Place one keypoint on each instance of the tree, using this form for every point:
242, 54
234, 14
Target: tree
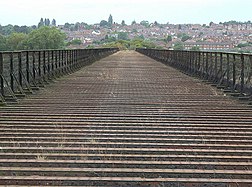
16, 41
211, 23
7, 30
22, 29
110, 20
123, 23
41, 23
133, 22
54, 22
123, 36
178, 46
67, 25
139, 37
145, 23
33, 27
47, 22
103, 23
1, 28
75, 42
185, 37
168, 39
46, 38
3, 46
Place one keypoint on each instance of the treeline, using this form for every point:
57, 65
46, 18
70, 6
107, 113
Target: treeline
131, 44
232, 22
42, 38
9, 29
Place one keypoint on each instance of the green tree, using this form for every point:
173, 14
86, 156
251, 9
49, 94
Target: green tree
77, 26
7, 30
123, 36
54, 22
46, 38
139, 37
47, 22
185, 37
133, 22
168, 39
75, 42
123, 23
41, 23
22, 29
211, 23
134, 31
103, 23
67, 25
178, 46
3, 46
110, 20
145, 23
16, 41
33, 27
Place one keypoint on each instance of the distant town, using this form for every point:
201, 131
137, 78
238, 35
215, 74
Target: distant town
223, 36
227, 36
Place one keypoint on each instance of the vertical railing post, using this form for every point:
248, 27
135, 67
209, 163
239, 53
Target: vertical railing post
33, 65
221, 65
234, 73
44, 64
207, 68
198, 65
203, 65
216, 66
48, 65
39, 64
11, 72
210, 66
1, 74
52, 58
56, 62
70, 60
228, 70
242, 73
27, 67
74, 59
189, 54
66, 61
60, 62
20, 68
63, 61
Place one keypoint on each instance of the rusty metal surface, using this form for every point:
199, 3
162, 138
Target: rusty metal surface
126, 120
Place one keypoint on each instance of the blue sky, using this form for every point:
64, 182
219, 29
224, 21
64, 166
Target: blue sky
29, 12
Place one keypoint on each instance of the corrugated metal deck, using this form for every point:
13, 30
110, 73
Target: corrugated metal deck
126, 120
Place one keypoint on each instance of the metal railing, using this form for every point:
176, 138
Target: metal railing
230, 71
22, 72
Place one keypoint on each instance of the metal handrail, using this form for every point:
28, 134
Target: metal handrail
36, 67
232, 71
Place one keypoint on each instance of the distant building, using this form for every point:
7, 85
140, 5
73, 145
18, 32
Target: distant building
208, 45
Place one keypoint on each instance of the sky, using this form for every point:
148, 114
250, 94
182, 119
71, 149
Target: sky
29, 12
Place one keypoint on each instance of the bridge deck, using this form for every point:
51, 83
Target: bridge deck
126, 120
